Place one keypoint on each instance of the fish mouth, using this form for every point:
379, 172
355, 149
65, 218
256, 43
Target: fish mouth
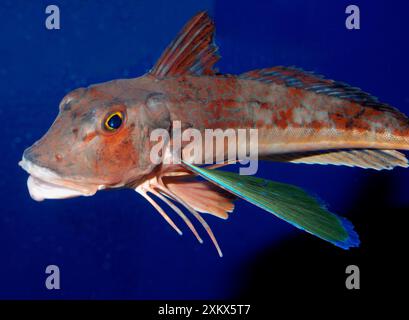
44, 183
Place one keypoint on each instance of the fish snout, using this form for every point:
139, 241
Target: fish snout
30, 155
43, 158
45, 182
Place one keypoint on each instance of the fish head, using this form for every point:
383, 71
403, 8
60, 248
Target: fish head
98, 141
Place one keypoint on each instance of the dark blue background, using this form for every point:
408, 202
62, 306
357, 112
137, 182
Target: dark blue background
114, 245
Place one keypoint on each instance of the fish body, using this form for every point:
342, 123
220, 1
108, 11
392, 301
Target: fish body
288, 119
101, 138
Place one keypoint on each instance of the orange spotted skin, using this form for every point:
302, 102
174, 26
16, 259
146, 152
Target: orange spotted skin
293, 110
79, 149
288, 118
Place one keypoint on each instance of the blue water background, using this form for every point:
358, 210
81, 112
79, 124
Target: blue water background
114, 245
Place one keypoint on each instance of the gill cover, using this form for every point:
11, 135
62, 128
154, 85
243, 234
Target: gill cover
156, 111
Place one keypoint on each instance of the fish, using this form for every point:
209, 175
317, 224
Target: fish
101, 138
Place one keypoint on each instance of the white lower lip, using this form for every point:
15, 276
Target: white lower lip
40, 190
40, 183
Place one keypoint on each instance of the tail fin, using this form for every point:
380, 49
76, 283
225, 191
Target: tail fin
287, 202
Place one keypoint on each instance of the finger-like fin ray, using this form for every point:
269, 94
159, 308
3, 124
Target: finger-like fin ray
158, 208
180, 213
199, 218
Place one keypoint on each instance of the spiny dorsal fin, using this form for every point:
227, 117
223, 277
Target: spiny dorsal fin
298, 78
193, 51
364, 158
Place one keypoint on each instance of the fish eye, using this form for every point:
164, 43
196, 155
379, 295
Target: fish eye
114, 121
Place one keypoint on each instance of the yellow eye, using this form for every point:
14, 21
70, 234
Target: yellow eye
114, 121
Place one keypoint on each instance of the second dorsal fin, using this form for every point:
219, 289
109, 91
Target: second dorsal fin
193, 51
298, 78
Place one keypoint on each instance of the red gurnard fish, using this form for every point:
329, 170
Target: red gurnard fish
100, 138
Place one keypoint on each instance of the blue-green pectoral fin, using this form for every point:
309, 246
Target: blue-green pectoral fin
287, 202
